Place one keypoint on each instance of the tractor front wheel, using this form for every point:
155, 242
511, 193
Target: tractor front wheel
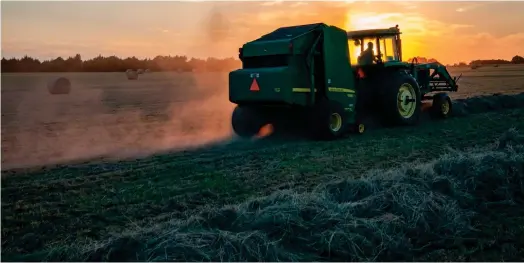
359, 128
246, 121
441, 107
402, 102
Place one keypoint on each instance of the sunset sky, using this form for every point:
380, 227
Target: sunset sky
448, 31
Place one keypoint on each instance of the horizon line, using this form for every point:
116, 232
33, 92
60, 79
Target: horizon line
219, 58
106, 56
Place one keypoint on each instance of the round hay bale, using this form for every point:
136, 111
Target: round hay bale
59, 86
131, 74
140, 71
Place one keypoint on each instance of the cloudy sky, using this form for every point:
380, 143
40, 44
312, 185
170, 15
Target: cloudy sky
448, 31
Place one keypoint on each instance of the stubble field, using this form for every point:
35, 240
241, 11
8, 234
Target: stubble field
361, 198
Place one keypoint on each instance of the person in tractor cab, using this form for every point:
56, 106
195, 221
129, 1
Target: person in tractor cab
367, 57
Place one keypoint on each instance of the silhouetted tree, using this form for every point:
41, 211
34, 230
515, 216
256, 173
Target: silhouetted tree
115, 64
489, 62
517, 60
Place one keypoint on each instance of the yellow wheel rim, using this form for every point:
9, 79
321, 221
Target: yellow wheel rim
335, 122
445, 107
406, 101
361, 128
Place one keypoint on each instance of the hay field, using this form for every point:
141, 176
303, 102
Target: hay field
107, 115
387, 195
488, 79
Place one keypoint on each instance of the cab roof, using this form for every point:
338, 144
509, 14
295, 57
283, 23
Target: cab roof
374, 32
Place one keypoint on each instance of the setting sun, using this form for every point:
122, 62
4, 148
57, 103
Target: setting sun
408, 26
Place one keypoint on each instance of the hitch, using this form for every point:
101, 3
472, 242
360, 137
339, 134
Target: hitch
456, 79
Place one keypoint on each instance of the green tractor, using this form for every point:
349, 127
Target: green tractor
309, 76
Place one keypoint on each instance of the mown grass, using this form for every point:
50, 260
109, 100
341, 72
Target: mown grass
441, 210
462, 206
51, 209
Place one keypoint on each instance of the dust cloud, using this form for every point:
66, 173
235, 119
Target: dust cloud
108, 116
217, 26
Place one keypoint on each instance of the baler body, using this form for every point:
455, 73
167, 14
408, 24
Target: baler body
295, 66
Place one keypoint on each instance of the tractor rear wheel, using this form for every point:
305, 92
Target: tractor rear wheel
246, 121
402, 102
329, 121
441, 107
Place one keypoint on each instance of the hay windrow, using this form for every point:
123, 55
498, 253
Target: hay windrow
481, 104
386, 215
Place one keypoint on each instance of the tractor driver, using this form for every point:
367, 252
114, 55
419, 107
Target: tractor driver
367, 57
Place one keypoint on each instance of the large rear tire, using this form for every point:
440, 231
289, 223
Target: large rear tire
401, 102
246, 121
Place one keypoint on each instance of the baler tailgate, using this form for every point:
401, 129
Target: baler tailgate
261, 84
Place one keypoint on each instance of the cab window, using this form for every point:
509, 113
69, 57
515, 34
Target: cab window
387, 49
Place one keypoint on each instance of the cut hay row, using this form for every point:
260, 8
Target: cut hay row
481, 104
405, 214
461, 107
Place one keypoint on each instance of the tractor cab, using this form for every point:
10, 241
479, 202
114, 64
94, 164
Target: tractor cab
374, 46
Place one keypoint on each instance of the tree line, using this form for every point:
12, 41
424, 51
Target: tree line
161, 63
116, 64
514, 60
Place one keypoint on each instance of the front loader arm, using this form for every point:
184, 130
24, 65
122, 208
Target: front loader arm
440, 79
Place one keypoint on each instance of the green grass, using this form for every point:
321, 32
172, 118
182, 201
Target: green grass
53, 208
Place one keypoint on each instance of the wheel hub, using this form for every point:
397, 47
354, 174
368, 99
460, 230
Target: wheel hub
335, 122
407, 102
361, 128
445, 107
